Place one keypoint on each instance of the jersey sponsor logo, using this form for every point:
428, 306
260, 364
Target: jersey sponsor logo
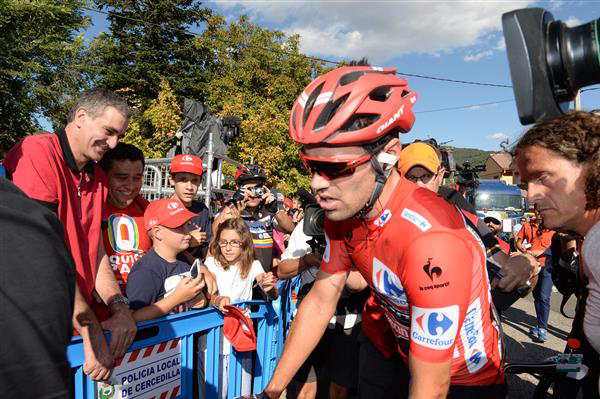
123, 234
388, 284
187, 158
471, 334
434, 273
385, 216
416, 219
399, 329
392, 119
327, 253
434, 328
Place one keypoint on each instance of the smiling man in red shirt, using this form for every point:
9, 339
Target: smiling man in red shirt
60, 171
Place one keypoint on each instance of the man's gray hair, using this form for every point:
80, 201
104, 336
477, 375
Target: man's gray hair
95, 101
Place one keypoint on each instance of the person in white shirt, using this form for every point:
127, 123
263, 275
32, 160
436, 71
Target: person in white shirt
232, 261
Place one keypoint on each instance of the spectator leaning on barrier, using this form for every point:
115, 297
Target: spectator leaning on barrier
125, 238
59, 170
185, 175
559, 160
259, 210
159, 283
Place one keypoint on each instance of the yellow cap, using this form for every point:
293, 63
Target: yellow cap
419, 154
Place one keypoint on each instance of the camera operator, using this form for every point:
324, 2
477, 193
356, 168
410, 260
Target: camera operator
336, 355
254, 202
559, 160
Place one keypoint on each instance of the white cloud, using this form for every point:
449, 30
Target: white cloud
572, 21
501, 45
475, 108
498, 136
556, 4
478, 56
380, 30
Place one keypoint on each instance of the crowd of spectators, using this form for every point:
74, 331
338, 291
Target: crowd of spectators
124, 260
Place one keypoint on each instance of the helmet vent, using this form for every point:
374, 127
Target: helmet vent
311, 102
381, 93
351, 77
329, 112
359, 121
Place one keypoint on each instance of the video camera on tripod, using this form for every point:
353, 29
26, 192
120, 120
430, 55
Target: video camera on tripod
468, 176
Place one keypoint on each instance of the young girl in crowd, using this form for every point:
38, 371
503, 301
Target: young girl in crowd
232, 260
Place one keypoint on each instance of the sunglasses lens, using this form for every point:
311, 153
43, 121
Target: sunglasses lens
329, 170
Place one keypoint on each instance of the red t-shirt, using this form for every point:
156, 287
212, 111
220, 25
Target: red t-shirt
426, 267
43, 167
539, 242
125, 238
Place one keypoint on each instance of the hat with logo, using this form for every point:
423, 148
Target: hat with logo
238, 329
419, 154
166, 212
186, 163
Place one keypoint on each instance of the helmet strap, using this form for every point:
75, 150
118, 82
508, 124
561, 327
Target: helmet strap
381, 177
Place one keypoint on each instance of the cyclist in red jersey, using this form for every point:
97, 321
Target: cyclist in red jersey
412, 247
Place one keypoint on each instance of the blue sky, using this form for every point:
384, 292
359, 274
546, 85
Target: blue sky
459, 40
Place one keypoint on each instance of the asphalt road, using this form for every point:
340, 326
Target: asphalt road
520, 348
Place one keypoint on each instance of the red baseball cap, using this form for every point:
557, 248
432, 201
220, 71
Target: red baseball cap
186, 163
238, 329
167, 212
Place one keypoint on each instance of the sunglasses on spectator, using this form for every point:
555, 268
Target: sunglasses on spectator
333, 168
233, 243
426, 178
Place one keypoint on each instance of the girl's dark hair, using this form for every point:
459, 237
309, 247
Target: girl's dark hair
247, 256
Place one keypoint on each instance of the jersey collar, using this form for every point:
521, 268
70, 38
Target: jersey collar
70, 158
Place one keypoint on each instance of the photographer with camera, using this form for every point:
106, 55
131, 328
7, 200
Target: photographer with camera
254, 202
559, 160
331, 370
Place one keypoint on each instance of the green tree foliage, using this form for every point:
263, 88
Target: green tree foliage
162, 118
257, 74
41, 62
147, 41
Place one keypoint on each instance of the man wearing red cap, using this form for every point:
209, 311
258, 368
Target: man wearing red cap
159, 283
185, 175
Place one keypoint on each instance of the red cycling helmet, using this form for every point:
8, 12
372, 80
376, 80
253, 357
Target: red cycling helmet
352, 105
249, 172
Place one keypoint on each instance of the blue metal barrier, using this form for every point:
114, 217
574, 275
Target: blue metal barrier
176, 333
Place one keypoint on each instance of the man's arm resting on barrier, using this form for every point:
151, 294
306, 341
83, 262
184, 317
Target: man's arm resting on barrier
310, 322
98, 359
121, 324
428, 380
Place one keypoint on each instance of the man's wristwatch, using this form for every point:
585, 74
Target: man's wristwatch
118, 300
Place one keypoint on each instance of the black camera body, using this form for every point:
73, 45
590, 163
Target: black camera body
230, 129
468, 175
314, 226
549, 62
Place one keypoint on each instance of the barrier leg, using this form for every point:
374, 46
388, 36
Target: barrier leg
213, 346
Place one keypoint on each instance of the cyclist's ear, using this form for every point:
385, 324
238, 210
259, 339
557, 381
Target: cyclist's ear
394, 147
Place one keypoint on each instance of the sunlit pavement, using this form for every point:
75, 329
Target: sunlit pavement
520, 347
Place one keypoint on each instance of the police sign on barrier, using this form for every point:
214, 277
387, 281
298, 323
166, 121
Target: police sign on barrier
151, 372
160, 362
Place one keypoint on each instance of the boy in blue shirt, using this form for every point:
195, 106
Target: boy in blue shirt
159, 283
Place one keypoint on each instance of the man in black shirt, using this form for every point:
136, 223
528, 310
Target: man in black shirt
37, 290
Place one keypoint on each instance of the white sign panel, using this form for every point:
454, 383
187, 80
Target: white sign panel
153, 372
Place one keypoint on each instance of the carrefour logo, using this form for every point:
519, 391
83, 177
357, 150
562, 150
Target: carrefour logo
388, 284
187, 158
434, 328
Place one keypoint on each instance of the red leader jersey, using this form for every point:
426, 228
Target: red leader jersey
426, 267
125, 238
44, 167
